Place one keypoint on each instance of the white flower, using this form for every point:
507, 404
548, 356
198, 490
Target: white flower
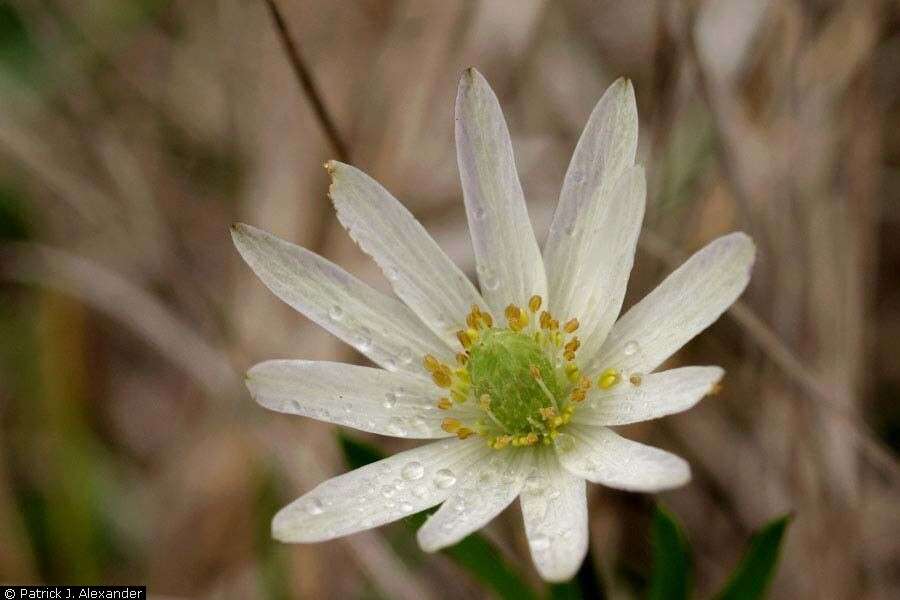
526, 399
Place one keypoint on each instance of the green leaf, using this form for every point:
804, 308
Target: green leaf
474, 554
670, 579
754, 573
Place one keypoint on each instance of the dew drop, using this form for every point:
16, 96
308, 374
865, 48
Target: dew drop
390, 400
314, 506
412, 471
336, 313
364, 340
564, 442
631, 348
444, 479
395, 427
540, 542
406, 507
405, 356
388, 491
392, 273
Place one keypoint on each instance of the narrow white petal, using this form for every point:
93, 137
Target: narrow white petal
602, 456
374, 400
657, 395
486, 488
510, 267
554, 507
378, 493
379, 326
422, 275
590, 247
686, 303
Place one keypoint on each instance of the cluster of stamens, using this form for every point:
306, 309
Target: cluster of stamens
532, 360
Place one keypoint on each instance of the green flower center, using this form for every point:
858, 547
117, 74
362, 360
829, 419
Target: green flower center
515, 373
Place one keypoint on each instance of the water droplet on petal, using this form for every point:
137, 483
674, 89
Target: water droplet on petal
392, 273
390, 400
631, 348
314, 506
388, 491
412, 471
564, 442
444, 479
336, 313
395, 427
540, 542
406, 507
405, 356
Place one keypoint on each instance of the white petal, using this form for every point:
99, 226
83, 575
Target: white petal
657, 395
421, 274
602, 456
378, 493
554, 507
486, 488
509, 262
374, 400
686, 303
590, 247
379, 326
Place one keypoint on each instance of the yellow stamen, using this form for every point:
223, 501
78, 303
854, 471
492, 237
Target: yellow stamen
635, 379
464, 339
608, 378
571, 325
441, 378
450, 425
534, 303
572, 372
444, 403
431, 364
463, 432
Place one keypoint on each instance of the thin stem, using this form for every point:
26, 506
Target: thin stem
307, 83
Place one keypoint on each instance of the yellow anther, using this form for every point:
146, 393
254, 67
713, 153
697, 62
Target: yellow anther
462, 358
531, 439
569, 355
463, 432
472, 320
451, 425
535, 372
571, 325
458, 396
441, 378
608, 378
444, 403
554, 325
548, 413
573, 344
464, 339
487, 319
545, 320
635, 379
430, 363
585, 383
572, 372
462, 375
501, 441
484, 401
534, 303
511, 312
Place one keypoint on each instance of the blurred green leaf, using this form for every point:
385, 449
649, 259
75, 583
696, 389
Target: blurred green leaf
671, 575
475, 554
754, 573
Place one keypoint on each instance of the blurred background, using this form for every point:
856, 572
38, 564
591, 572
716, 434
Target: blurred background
133, 132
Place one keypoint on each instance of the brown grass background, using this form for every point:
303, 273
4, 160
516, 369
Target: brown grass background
133, 133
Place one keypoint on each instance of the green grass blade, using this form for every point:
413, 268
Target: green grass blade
671, 576
753, 575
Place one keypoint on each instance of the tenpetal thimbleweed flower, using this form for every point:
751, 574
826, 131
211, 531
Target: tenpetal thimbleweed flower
525, 378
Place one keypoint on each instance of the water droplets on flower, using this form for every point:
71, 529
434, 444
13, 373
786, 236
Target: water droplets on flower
631, 348
314, 506
444, 479
336, 313
390, 400
413, 470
